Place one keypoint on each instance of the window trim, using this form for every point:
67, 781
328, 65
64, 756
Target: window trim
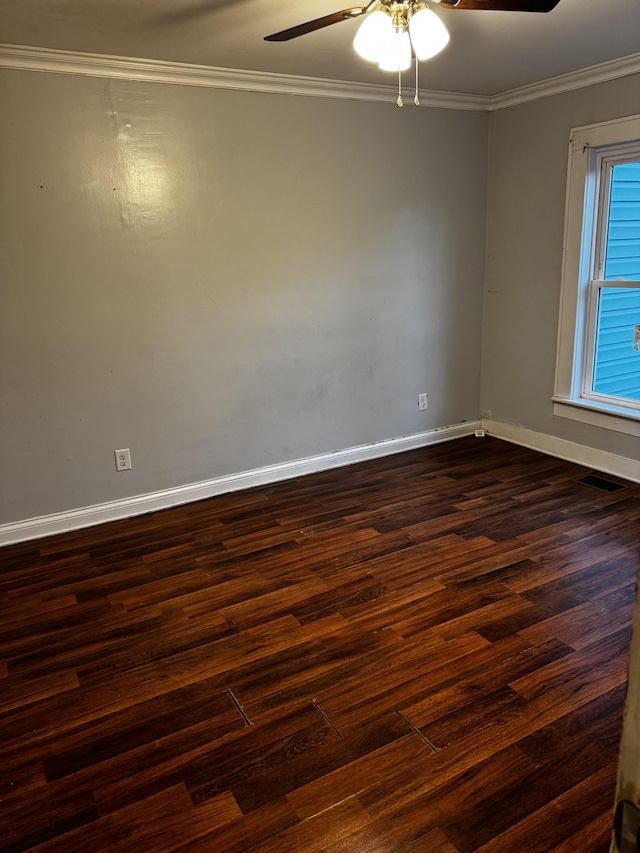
591, 148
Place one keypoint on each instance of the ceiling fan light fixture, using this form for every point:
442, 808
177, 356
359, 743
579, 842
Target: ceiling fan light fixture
371, 35
392, 31
396, 55
428, 34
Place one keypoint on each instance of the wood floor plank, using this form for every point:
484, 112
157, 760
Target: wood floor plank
591, 667
587, 623
557, 821
163, 637
314, 759
389, 684
137, 726
204, 661
119, 746
148, 822
562, 759
253, 829
17, 693
21, 612
213, 765
65, 638
445, 804
32, 816
351, 779
423, 652
433, 842
464, 756
300, 673
592, 837
462, 694
321, 833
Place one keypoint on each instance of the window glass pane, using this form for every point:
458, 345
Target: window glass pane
622, 253
617, 361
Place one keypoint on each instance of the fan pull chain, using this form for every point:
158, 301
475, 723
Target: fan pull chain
416, 99
399, 102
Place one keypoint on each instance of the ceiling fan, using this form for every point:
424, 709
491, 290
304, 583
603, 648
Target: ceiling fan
394, 31
356, 11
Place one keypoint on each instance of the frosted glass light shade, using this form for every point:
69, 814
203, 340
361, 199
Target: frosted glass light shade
428, 34
396, 54
371, 34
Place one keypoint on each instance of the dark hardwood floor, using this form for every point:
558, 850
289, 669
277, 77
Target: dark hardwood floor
426, 653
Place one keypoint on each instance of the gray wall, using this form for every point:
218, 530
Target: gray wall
225, 280
527, 181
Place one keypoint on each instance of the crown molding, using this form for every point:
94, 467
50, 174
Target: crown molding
23, 57
601, 73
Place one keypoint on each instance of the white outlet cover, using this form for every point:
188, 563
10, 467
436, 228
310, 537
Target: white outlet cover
123, 459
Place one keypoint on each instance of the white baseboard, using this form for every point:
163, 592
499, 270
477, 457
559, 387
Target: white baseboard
60, 522
600, 460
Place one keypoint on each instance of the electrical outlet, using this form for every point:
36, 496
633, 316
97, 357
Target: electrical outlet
123, 459
422, 402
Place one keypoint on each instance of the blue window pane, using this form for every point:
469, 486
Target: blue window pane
622, 252
617, 362
616, 369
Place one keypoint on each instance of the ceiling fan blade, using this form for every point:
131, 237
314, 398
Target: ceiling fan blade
501, 5
317, 24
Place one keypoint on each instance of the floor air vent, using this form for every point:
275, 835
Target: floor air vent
600, 483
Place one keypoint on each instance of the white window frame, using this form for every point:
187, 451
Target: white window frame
593, 151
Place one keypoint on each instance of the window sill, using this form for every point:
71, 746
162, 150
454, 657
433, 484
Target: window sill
608, 417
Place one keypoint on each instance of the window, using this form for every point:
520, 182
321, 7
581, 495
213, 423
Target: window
598, 366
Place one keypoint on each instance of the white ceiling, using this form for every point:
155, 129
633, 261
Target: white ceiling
489, 52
